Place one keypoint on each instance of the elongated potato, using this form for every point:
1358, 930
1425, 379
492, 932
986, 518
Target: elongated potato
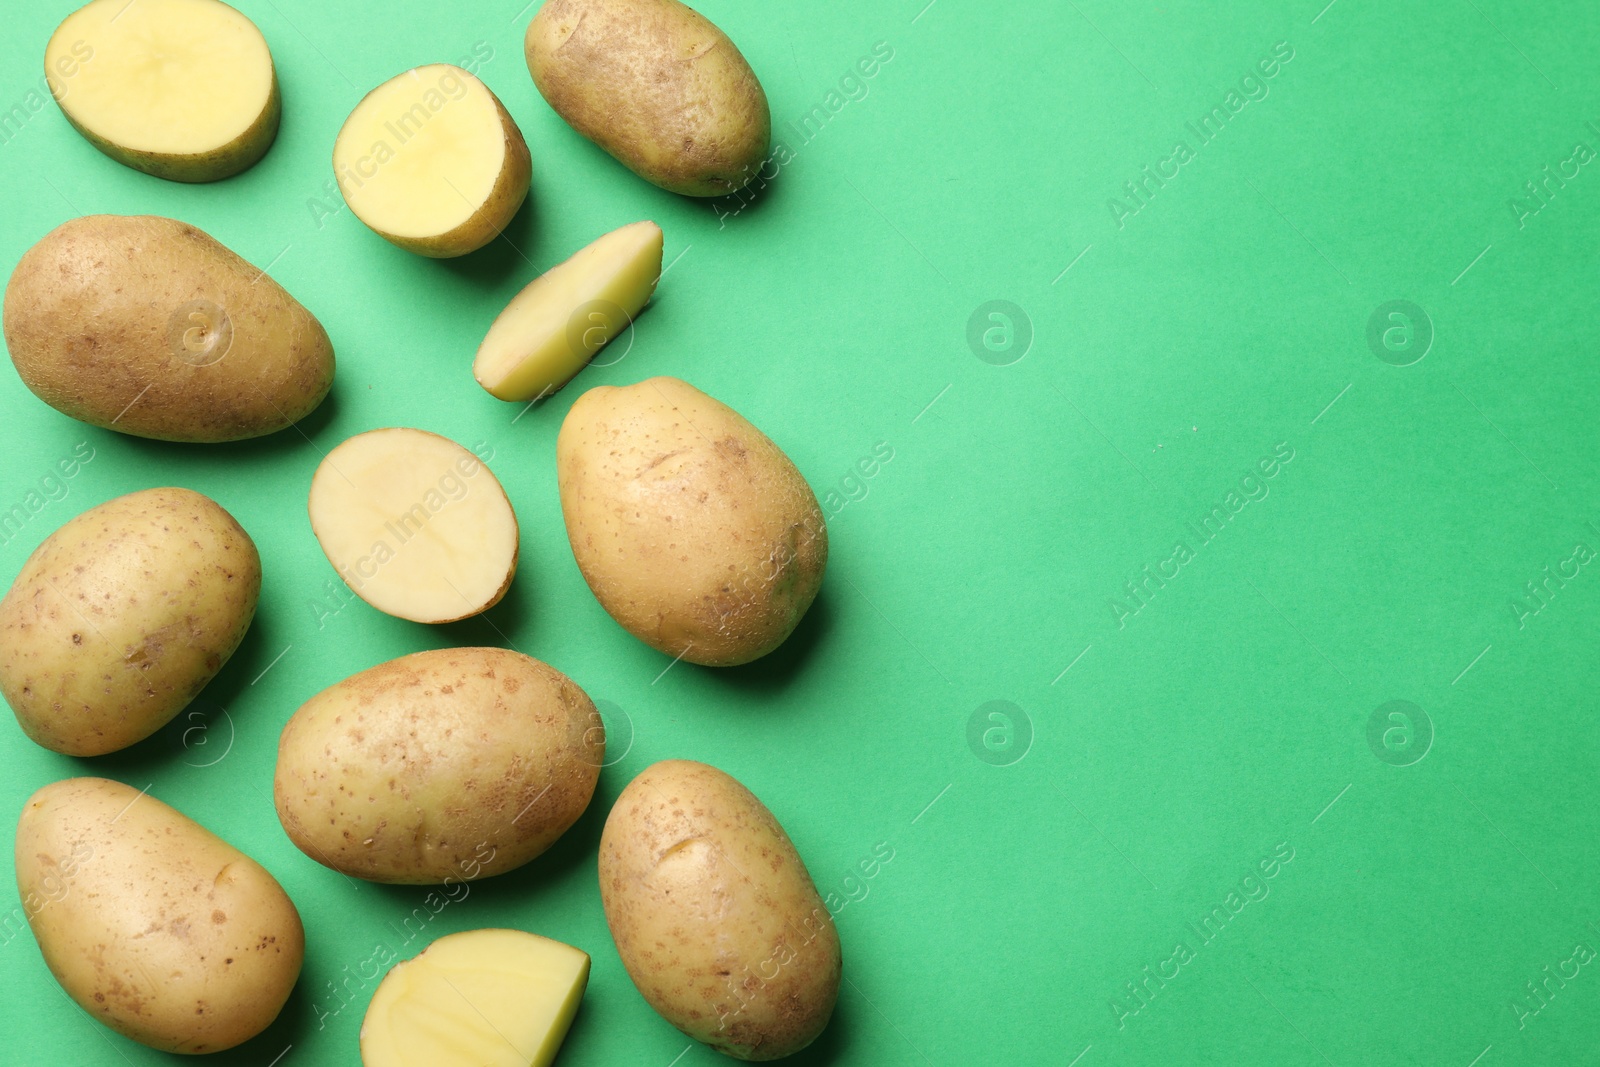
150, 327
415, 524
440, 766
553, 328
655, 84
489, 998
695, 532
181, 89
156, 927
714, 915
432, 162
120, 618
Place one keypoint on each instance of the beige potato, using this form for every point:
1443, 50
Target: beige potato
658, 86
714, 915
484, 998
120, 618
441, 766
432, 162
156, 927
415, 524
695, 532
181, 89
150, 327
553, 328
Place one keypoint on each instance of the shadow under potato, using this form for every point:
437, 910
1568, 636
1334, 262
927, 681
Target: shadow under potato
509, 254
282, 442
774, 671
202, 734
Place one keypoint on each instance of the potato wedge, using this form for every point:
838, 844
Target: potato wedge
432, 162
415, 524
553, 328
485, 998
181, 89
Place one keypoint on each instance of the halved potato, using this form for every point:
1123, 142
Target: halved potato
554, 327
432, 162
415, 524
181, 89
480, 998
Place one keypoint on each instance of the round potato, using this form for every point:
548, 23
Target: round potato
155, 926
695, 532
658, 86
122, 616
150, 327
440, 766
714, 915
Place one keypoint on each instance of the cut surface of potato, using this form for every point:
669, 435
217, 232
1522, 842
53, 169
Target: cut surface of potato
484, 998
182, 89
415, 524
554, 327
432, 162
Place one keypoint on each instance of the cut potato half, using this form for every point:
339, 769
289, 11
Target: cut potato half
554, 327
182, 89
415, 524
481, 998
432, 162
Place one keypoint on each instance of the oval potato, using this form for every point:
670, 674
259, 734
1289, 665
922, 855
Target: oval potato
655, 84
714, 915
156, 927
120, 618
447, 765
150, 327
695, 532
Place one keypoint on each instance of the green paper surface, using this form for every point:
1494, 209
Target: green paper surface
1080, 664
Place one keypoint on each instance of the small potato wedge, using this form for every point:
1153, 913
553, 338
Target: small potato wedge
553, 328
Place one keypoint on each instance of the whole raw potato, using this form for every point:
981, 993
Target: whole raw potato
156, 927
692, 528
714, 915
122, 616
658, 86
448, 765
150, 327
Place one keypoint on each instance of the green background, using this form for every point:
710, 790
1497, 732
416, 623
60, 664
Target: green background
1041, 860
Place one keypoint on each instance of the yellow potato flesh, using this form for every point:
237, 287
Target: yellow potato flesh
421, 154
171, 77
484, 998
554, 327
415, 524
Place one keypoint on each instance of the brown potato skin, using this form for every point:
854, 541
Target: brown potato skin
693, 529
119, 889
657, 85
238, 155
90, 318
122, 616
447, 765
714, 914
